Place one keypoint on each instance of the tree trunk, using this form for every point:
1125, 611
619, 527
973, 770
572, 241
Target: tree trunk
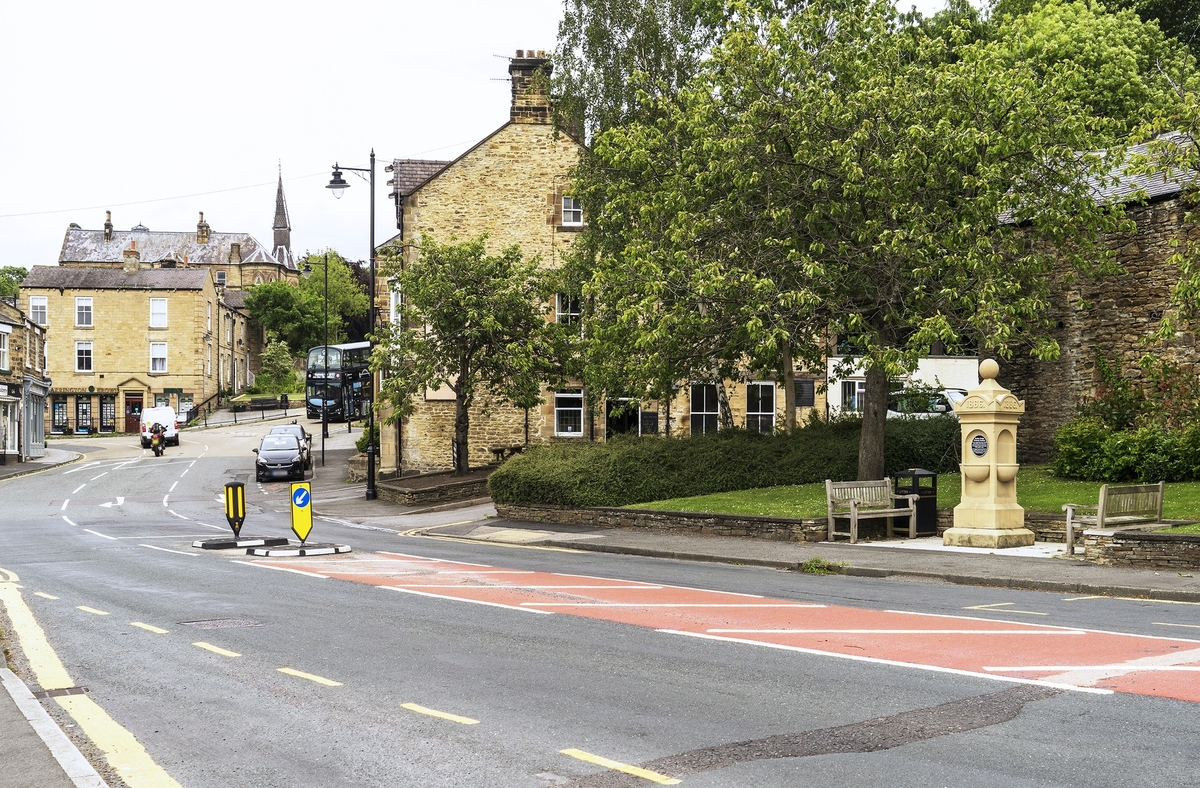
789, 390
462, 425
726, 417
870, 446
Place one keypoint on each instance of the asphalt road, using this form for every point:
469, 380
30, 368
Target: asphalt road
456, 683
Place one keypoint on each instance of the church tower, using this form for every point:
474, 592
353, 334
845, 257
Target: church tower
282, 248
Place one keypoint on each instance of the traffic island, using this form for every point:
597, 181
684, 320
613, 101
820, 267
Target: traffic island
243, 541
299, 550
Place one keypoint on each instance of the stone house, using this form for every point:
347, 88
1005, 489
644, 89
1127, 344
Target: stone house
140, 318
515, 185
123, 339
24, 385
1114, 316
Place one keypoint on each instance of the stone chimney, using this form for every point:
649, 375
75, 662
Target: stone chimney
202, 229
530, 72
108, 225
235, 253
133, 259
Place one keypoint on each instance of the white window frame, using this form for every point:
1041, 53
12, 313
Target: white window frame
700, 417
393, 302
91, 360
158, 317
853, 393
83, 306
564, 407
567, 310
159, 357
38, 305
4, 331
759, 415
572, 212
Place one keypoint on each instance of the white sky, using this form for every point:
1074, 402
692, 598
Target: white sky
160, 110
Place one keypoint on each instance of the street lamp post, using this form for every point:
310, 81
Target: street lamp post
338, 184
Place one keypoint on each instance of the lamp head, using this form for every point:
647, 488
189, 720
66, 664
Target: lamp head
337, 183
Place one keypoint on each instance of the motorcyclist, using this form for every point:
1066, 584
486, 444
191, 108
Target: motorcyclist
158, 438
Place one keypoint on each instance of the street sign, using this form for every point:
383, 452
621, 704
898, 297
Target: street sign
301, 509
235, 506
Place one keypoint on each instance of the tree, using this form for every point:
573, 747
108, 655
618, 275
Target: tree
276, 374
830, 173
1179, 19
470, 321
11, 277
296, 314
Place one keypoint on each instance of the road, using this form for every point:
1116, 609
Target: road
415, 661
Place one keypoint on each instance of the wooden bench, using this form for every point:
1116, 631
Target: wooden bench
264, 403
501, 453
864, 500
1131, 504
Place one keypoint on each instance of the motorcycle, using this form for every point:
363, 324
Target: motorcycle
156, 443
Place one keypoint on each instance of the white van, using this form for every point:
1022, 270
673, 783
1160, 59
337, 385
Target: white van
164, 415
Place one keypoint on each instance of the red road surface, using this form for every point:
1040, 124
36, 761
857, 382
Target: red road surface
1086, 660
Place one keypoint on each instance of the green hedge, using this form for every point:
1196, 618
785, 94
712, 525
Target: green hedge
634, 470
1091, 450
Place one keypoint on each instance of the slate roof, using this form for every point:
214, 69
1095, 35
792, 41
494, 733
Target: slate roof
1153, 187
409, 174
234, 299
115, 278
89, 246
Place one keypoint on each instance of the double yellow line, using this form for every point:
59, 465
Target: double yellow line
121, 749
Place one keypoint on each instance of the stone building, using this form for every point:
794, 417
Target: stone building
24, 385
515, 185
140, 318
123, 339
1114, 316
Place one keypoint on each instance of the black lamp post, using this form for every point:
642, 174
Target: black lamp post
338, 185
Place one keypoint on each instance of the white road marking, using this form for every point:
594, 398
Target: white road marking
64, 506
1165, 624
460, 599
895, 663
1120, 667
899, 631
97, 533
94, 478
80, 487
437, 560
173, 486
177, 514
1048, 626
68, 519
664, 604
165, 550
165, 499
525, 587
283, 569
1085, 675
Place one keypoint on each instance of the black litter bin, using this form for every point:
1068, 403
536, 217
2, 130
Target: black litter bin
283, 401
918, 481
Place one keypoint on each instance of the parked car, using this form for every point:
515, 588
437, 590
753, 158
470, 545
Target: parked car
164, 415
303, 435
279, 456
923, 404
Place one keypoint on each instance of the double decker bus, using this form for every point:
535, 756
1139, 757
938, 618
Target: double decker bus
338, 380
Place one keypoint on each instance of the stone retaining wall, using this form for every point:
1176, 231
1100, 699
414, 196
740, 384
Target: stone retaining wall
1142, 549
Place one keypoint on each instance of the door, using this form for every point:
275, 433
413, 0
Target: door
133, 413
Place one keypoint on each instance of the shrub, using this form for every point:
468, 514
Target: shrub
362, 442
629, 470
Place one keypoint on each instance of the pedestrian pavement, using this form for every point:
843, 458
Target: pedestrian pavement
1043, 567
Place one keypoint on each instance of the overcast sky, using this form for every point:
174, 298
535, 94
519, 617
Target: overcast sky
159, 110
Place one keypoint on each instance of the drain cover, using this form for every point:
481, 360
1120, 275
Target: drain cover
221, 623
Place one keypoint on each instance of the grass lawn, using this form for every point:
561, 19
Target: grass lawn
1038, 490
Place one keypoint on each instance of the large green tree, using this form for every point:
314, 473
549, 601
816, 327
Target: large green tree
11, 277
470, 321
830, 172
296, 313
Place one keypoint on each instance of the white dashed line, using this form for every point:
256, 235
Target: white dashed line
97, 533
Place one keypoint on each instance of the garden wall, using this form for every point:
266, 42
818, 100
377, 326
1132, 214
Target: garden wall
1142, 549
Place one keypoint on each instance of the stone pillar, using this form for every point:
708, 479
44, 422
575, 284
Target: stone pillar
989, 515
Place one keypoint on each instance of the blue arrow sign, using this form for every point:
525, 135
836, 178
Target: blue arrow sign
300, 497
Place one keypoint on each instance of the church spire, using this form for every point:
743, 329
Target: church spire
282, 227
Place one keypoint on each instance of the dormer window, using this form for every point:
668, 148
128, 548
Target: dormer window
572, 212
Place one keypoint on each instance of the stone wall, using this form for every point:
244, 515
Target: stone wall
1142, 549
1113, 316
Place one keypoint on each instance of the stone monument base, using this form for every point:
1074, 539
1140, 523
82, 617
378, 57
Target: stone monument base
990, 538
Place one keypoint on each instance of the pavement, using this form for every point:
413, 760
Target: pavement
50, 761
